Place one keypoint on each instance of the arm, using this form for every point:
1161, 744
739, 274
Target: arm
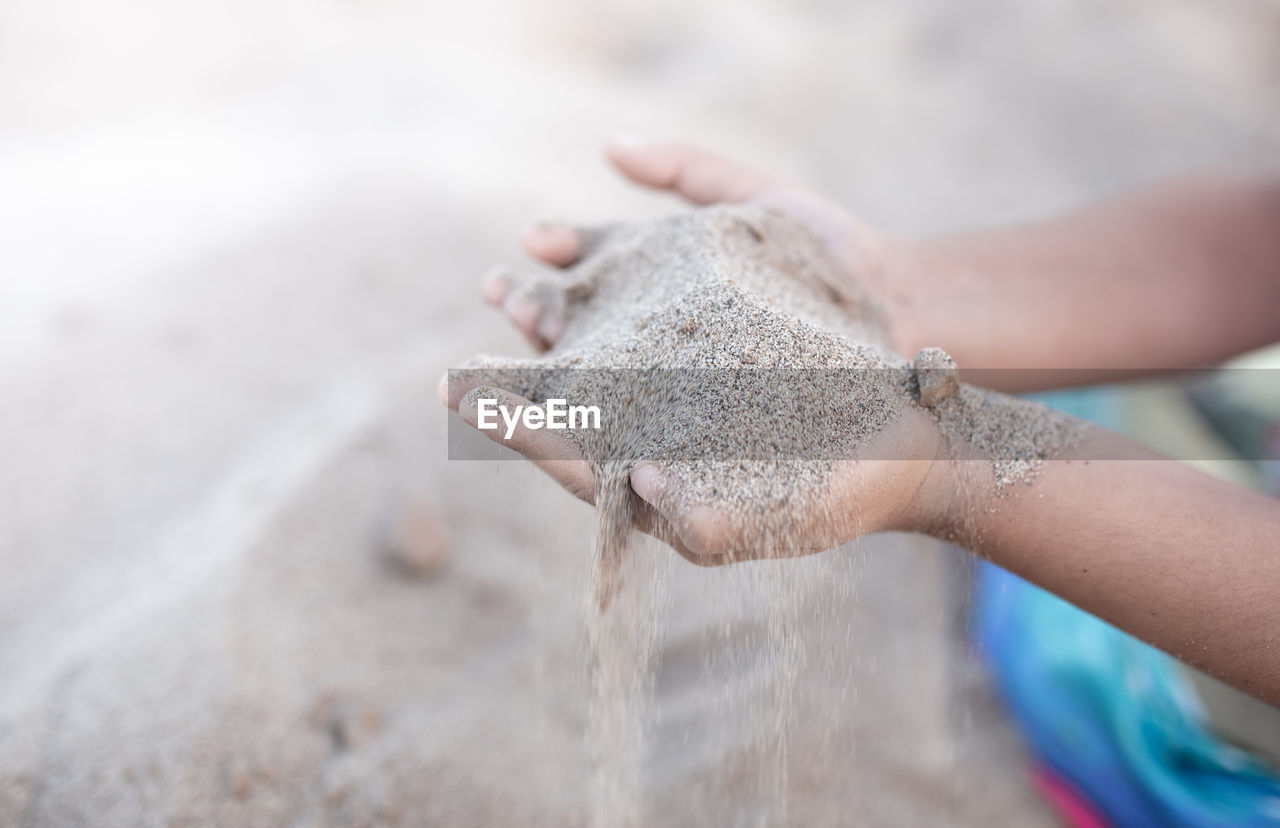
1170, 555
1182, 275
1166, 553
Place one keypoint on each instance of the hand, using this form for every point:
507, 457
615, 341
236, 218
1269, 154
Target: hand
863, 495
703, 178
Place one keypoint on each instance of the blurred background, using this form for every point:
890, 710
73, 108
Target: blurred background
240, 241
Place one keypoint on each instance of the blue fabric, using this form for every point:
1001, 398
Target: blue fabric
1110, 714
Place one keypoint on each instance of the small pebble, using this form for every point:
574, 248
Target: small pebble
419, 546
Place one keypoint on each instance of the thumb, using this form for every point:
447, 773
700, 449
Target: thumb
694, 174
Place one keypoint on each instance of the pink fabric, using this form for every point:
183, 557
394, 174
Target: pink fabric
1074, 809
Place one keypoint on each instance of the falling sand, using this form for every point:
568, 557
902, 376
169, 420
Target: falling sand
727, 349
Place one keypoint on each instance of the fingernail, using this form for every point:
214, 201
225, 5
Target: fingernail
550, 329
524, 312
544, 233
647, 482
495, 283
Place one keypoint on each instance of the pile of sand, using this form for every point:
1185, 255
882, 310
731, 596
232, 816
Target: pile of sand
727, 346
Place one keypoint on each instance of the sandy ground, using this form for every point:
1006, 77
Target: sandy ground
238, 244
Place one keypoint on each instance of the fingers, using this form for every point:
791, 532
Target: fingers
562, 245
695, 174
701, 536
536, 303
495, 284
556, 244
699, 176
705, 535
516, 377
499, 415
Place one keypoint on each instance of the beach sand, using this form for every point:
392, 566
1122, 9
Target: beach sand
241, 244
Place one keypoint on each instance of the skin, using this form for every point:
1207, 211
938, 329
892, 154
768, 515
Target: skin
1166, 553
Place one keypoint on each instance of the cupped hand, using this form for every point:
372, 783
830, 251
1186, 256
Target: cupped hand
865, 493
893, 481
702, 178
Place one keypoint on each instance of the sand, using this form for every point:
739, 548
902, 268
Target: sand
236, 234
728, 347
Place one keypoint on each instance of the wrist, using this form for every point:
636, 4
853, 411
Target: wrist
901, 283
918, 485
934, 508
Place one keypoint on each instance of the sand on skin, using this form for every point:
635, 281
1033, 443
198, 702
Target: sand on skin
225, 251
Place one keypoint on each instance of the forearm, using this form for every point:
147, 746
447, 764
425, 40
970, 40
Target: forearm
1160, 550
1179, 276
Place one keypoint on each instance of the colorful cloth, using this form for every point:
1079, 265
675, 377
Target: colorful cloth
1117, 730
1112, 717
